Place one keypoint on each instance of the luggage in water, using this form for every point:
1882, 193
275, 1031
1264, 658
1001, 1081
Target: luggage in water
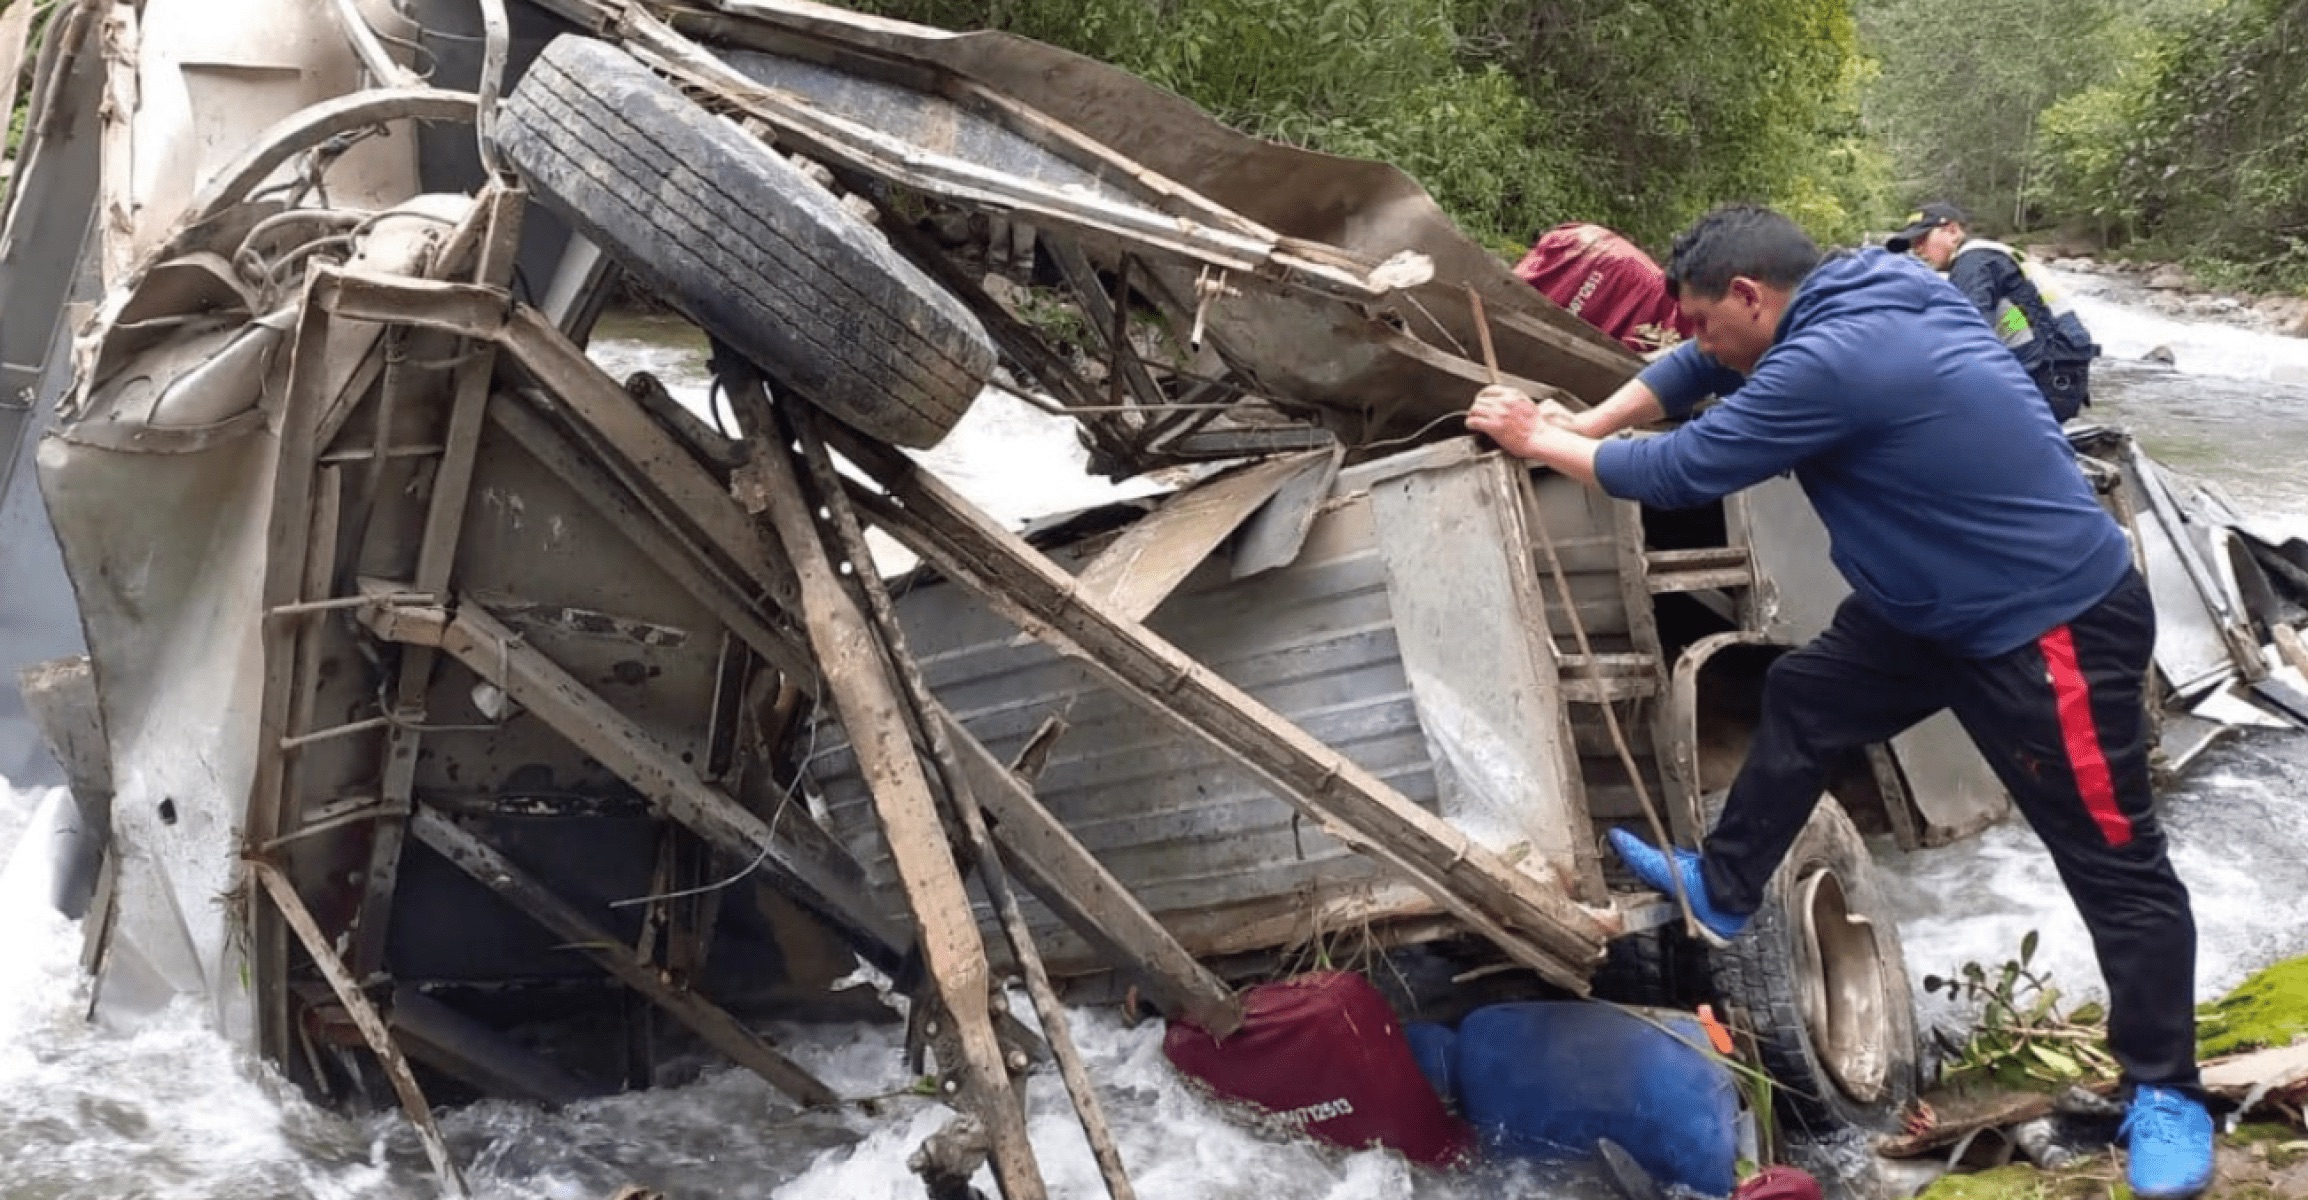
1548, 1079
1325, 1053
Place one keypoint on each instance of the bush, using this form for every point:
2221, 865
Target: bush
2200, 148
1515, 114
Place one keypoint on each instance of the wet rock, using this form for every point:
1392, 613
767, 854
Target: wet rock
2161, 354
2170, 278
952, 228
2299, 326
2040, 1141
1004, 292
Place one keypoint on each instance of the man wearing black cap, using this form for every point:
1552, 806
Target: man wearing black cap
2027, 313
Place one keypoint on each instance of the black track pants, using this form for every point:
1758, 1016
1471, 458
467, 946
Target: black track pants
2062, 722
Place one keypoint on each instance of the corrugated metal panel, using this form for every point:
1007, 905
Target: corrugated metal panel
1185, 833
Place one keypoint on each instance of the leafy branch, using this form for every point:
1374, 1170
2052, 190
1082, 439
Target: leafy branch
2023, 1038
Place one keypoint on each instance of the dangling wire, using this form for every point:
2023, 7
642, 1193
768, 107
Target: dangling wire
785, 799
1415, 434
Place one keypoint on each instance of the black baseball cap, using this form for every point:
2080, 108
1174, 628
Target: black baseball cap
1923, 221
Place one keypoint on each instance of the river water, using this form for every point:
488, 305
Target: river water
166, 1109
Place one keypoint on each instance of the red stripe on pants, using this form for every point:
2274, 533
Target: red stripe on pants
2082, 736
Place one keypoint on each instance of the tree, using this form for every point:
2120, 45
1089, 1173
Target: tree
1965, 83
1516, 114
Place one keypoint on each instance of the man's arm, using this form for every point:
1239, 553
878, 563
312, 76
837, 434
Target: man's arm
1556, 437
1787, 412
1984, 277
1632, 405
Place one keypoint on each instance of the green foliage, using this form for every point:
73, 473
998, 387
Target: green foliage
2023, 1039
1966, 82
1516, 114
2081, 146
2016, 1182
2269, 1009
2197, 146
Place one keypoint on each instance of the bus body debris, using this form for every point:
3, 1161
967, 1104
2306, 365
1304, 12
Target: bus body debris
440, 691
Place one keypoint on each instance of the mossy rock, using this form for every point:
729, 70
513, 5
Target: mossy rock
2269, 1009
2016, 1182
2285, 1145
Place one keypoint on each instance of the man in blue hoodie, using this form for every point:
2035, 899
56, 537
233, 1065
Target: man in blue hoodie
1986, 579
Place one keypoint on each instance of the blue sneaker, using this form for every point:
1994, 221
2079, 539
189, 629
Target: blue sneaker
2170, 1137
1651, 867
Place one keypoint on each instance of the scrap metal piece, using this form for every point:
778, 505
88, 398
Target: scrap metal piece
62, 699
1070, 880
2241, 654
306, 129
1276, 533
291, 568
1135, 574
948, 1158
494, 225
1476, 645
673, 554
536, 683
365, 1018
379, 62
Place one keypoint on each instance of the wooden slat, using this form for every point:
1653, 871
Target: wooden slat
290, 906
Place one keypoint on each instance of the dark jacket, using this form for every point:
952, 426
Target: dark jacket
1955, 505
1989, 274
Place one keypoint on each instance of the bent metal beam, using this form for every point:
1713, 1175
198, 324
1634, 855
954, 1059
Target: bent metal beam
1532, 920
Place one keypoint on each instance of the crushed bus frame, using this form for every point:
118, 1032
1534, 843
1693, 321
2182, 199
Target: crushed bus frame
441, 691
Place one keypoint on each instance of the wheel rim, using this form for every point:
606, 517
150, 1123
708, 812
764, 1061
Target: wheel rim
1846, 1005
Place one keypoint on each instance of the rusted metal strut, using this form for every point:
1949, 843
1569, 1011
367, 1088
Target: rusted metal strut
960, 792
858, 680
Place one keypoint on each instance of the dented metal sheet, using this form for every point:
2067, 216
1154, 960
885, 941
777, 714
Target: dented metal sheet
1184, 832
1152, 557
1476, 647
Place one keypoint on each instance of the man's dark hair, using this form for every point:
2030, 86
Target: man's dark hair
1735, 240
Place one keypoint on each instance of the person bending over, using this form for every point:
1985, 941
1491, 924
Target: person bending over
1985, 579
2028, 313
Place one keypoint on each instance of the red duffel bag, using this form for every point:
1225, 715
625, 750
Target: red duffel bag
1608, 282
1326, 1054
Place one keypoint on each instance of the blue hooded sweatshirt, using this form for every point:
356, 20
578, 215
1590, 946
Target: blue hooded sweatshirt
1955, 505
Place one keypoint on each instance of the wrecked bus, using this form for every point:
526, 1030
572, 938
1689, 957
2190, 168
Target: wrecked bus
454, 720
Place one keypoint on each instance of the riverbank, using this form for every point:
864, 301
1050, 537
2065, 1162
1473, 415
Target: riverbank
2172, 289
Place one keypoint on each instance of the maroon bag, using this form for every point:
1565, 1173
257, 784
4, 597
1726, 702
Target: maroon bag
1326, 1054
1608, 282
